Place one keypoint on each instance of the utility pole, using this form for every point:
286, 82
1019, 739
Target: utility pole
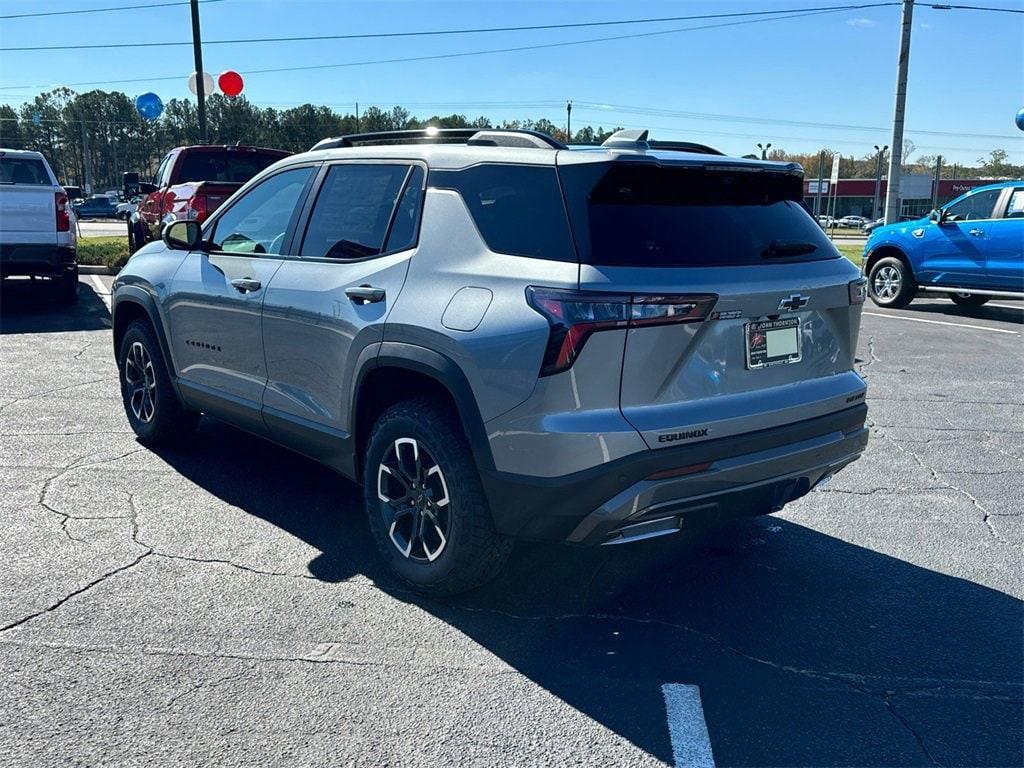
764, 150
86, 160
197, 48
568, 122
935, 186
892, 197
821, 180
878, 179
357, 117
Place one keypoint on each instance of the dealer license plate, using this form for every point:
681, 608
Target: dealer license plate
773, 342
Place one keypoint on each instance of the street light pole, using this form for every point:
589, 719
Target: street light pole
892, 196
568, 122
878, 179
197, 49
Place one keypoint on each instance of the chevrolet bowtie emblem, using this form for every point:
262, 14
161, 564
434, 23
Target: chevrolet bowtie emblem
794, 302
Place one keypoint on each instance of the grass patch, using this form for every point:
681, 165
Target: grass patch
109, 251
852, 252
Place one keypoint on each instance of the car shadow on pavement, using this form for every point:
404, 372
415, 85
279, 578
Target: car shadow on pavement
33, 306
808, 650
984, 312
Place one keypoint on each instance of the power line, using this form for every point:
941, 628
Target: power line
464, 31
462, 54
147, 6
993, 9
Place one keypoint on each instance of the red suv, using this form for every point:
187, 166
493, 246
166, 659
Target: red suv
189, 184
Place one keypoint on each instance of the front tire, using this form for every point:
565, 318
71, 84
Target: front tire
156, 415
425, 503
891, 283
968, 299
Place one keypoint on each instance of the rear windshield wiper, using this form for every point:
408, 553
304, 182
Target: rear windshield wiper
778, 248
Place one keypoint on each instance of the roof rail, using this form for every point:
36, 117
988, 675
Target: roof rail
492, 137
684, 146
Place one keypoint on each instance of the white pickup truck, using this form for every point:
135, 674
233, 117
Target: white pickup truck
37, 225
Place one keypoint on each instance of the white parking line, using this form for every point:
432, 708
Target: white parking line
691, 745
101, 289
940, 322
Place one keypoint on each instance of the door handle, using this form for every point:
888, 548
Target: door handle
976, 232
365, 294
247, 284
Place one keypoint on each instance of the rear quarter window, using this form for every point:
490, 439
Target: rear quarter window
24, 170
517, 208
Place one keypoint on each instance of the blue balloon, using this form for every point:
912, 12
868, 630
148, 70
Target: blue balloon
1020, 118
149, 106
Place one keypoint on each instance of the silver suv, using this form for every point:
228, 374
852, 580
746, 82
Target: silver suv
502, 337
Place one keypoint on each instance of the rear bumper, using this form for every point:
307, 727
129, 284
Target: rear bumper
34, 259
751, 474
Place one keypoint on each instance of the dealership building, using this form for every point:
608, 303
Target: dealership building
855, 197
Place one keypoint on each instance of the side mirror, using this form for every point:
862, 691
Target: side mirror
938, 216
183, 236
145, 188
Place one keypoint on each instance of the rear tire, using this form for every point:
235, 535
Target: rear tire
968, 299
891, 283
156, 415
425, 503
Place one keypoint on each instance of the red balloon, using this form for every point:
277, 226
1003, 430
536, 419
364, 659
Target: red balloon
230, 83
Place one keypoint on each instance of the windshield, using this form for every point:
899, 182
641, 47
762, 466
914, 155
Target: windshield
647, 215
227, 166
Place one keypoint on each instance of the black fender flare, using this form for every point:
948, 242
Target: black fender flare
445, 371
136, 296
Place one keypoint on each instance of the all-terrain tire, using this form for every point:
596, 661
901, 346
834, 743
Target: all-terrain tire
473, 552
155, 413
891, 284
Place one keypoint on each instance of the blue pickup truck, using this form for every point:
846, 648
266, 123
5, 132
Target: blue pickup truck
971, 249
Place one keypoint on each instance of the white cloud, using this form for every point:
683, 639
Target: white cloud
926, 25
861, 22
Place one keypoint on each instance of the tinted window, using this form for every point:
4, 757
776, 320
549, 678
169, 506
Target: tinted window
227, 166
407, 216
258, 221
517, 208
646, 215
161, 172
23, 170
353, 210
976, 206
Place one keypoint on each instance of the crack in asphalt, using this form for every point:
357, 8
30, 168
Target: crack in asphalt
913, 732
46, 392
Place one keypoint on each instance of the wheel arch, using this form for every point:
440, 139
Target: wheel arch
883, 251
403, 371
131, 303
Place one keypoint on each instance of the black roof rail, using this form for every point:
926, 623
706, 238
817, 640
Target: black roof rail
684, 146
492, 137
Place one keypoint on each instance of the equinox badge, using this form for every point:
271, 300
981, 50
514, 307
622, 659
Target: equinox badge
794, 302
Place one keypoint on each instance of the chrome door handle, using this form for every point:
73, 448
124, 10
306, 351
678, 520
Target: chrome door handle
976, 232
246, 284
365, 294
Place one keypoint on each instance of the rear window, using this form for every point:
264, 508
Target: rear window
23, 170
517, 208
226, 166
657, 216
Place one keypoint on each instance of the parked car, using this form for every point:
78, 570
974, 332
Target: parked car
871, 226
971, 249
506, 338
826, 221
189, 185
125, 210
96, 207
853, 222
37, 232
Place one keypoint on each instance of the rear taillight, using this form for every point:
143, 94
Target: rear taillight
197, 209
61, 206
858, 290
573, 316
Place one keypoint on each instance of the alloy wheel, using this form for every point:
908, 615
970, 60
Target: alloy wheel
141, 380
887, 282
414, 500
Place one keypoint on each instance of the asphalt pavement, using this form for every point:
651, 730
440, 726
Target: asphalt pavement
223, 604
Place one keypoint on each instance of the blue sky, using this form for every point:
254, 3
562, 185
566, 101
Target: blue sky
730, 86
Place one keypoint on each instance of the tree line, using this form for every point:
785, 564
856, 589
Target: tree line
101, 131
